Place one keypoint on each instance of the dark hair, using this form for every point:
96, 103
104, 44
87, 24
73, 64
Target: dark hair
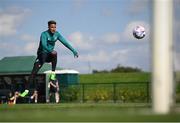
51, 22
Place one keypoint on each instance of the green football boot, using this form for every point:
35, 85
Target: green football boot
53, 76
24, 93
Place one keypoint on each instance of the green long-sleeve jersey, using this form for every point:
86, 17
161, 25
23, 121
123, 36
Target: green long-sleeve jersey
48, 40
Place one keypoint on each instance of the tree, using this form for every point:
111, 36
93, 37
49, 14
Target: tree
119, 69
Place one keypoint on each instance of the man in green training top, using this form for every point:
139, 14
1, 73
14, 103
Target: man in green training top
46, 52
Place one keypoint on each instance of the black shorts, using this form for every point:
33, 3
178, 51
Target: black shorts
44, 57
52, 90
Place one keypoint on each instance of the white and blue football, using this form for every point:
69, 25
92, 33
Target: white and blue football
139, 32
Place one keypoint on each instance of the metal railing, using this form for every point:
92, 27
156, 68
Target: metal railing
106, 92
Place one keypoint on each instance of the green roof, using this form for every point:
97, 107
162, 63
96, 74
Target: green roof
20, 65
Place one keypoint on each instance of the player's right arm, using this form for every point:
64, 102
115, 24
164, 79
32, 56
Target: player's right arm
66, 44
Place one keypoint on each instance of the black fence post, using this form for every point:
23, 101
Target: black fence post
114, 92
83, 92
147, 86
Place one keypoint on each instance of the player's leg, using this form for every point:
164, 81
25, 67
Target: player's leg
57, 96
34, 96
53, 59
14, 98
37, 65
40, 60
54, 62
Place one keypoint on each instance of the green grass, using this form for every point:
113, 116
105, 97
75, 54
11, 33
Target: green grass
139, 112
83, 112
115, 77
124, 91
120, 77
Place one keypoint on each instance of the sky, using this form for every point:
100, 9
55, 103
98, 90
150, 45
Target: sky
100, 30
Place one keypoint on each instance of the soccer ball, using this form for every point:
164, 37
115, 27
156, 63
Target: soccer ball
139, 32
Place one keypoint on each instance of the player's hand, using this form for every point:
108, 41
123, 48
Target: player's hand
76, 55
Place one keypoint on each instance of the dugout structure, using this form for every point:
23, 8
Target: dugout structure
14, 72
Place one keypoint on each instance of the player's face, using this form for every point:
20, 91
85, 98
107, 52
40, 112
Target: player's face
52, 28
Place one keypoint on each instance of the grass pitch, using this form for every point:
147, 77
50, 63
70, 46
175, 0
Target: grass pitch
115, 77
83, 112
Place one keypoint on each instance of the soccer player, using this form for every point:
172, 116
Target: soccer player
53, 88
46, 52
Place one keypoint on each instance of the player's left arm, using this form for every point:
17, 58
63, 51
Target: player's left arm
66, 44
